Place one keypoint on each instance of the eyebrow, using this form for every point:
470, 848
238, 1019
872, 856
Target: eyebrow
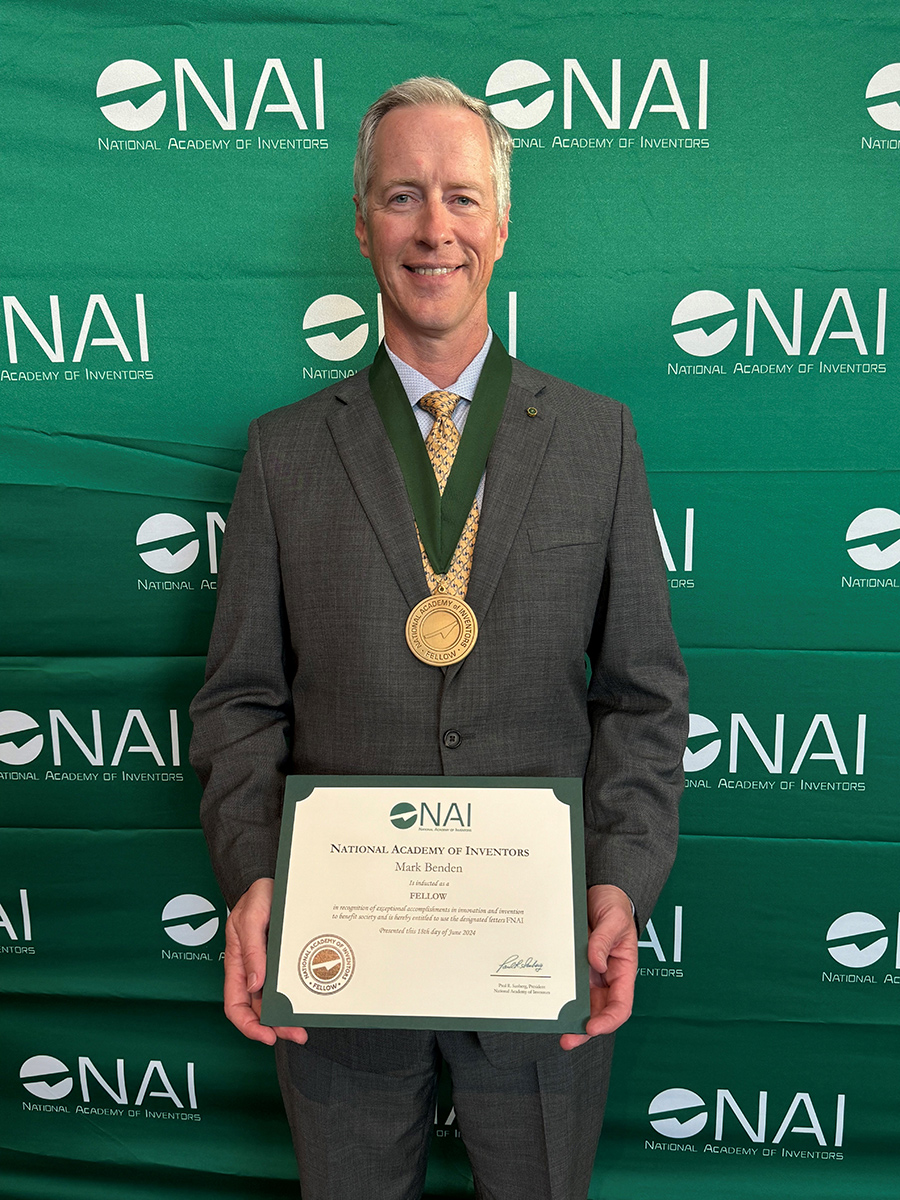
415, 183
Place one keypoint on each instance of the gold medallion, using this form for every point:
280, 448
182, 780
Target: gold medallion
441, 630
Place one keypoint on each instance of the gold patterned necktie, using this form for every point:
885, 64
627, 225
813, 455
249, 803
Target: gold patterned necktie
442, 443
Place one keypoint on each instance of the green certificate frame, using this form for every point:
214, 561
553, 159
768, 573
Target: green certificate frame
430, 902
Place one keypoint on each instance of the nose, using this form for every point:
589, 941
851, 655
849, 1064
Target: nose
434, 223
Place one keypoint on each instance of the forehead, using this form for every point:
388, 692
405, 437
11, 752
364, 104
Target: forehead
429, 140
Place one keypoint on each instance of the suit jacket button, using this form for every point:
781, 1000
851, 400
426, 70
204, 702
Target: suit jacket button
451, 739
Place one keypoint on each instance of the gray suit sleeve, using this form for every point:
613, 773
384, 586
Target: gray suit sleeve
243, 715
637, 701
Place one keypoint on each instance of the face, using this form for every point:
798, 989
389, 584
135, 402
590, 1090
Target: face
432, 233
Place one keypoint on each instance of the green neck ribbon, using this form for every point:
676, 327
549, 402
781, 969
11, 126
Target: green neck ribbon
440, 519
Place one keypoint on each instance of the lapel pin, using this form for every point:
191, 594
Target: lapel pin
532, 412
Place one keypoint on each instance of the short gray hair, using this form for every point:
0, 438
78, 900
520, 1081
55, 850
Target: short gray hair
430, 90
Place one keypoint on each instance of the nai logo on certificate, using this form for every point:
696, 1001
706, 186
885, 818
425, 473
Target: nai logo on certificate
326, 964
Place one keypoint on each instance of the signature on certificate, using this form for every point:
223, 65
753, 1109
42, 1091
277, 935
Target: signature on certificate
514, 963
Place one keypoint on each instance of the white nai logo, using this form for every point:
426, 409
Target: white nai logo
328, 310
40, 1075
443, 1125
130, 75
713, 308
160, 528
6, 921
700, 306
188, 905
675, 1114
821, 726
849, 940
520, 73
34, 1075
864, 529
172, 528
668, 556
124, 76
653, 941
55, 350
704, 756
885, 82
680, 1113
13, 722
509, 77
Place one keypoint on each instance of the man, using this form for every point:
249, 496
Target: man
309, 671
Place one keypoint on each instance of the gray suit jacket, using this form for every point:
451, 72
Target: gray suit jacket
309, 672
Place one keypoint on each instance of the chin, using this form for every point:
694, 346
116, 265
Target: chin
429, 320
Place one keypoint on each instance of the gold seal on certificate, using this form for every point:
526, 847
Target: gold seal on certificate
326, 964
441, 630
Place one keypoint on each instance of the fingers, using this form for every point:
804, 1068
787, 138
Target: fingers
569, 1041
611, 924
613, 957
612, 999
612, 993
249, 923
612, 1007
245, 966
291, 1033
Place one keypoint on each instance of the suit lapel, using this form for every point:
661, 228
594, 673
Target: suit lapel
371, 465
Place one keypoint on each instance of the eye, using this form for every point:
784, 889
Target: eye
401, 198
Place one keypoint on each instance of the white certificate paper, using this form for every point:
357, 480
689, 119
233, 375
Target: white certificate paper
430, 902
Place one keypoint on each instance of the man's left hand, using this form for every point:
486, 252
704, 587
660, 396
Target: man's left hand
613, 958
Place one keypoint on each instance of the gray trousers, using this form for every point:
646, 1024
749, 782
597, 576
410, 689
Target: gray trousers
530, 1132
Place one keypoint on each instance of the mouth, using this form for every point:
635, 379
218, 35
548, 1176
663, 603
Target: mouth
433, 270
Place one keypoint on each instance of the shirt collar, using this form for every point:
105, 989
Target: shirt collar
416, 385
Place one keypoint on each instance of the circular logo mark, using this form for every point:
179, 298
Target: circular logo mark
403, 815
43, 1065
849, 931
699, 760
184, 933
509, 77
885, 82
872, 523
123, 76
441, 630
160, 528
698, 306
325, 311
670, 1108
326, 964
11, 722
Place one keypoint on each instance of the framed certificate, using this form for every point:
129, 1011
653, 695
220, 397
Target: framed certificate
430, 902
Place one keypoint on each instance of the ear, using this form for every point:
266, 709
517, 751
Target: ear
502, 235
362, 233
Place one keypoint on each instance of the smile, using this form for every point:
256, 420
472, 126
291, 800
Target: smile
432, 270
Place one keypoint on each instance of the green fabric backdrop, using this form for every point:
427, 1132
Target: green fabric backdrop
704, 226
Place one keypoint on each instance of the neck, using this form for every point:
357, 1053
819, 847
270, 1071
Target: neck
441, 358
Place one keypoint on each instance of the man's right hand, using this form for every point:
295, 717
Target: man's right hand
246, 933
